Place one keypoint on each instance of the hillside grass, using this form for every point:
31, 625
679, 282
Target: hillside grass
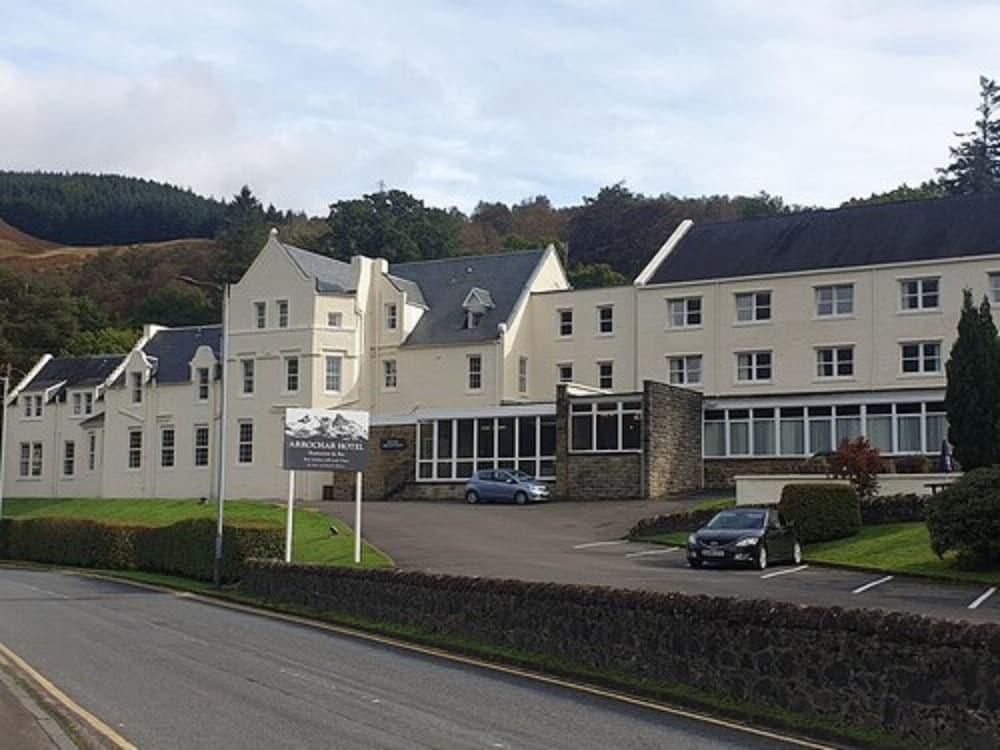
313, 543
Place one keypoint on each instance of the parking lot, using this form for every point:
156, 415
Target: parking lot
582, 543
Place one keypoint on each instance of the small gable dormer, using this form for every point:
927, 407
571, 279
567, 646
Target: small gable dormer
477, 302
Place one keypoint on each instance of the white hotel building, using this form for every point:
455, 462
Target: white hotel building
781, 335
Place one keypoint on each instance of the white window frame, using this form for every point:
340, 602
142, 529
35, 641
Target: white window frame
391, 316
606, 377
522, 374
593, 409
564, 322
921, 358
24, 461
559, 372
133, 449
37, 460
248, 376
602, 320
292, 367
756, 308
203, 380
168, 451
993, 285
840, 306
333, 377
754, 366
837, 358
260, 315
76, 399
919, 294
88, 403
390, 375
69, 458
474, 373
680, 311
91, 451
202, 453
681, 366
137, 387
242, 442
283, 312
334, 319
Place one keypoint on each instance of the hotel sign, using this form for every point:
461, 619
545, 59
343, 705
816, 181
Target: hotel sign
325, 440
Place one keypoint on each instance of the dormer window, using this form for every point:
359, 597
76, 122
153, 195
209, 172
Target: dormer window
477, 303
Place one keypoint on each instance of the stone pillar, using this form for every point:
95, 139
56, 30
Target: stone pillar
562, 442
671, 440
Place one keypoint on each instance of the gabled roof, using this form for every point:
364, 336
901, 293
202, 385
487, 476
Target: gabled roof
482, 297
74, 372
909, 231
446, 284
414, 295
172, 349
331, 275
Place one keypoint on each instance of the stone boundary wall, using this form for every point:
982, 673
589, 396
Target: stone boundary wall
927, 681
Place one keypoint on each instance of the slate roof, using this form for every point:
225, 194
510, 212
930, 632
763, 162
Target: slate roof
840, 238
446, 283
77, 372
413, 292
173, 349
331, 275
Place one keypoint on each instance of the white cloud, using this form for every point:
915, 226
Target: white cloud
309, 101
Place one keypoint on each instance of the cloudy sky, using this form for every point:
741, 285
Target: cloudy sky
310, 101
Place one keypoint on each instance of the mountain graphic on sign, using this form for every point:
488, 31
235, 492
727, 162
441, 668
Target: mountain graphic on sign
333, 427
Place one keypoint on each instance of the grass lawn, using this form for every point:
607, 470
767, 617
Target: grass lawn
313, 541
727, 502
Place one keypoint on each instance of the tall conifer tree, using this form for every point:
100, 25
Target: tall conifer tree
975, 162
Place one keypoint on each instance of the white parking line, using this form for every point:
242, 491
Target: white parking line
599, 544
784, 572
652, 552
983, 597
873, 584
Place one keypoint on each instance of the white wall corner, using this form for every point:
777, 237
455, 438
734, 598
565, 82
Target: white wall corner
661, 255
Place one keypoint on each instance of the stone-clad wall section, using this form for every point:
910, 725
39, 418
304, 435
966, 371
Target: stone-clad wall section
930, 682
671, 440
719, 472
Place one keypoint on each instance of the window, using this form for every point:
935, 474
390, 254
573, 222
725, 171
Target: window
201, 445
715, 432
333, 370
24, 466
88, 403
244, 445
33, 407
473, 318
522, 375
753, 366
260, 314
684, 370
203, 383
91, 451
606, 375
921, 357
77, 404
291, 374
605, 426
451, 449
835, 362
247, 365
475, 380
565, 372
390, 376
136, 387
835, 300
753, 307
39, 400
791, 431
995, 288
763, 428
565, 323
920, 294
739, 432
36, 459
135, 448
335, 319
606, 319
684, 312
391, 316
282, 313
69, 458
936, 421
167, 445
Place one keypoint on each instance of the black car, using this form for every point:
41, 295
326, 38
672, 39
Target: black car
752, 536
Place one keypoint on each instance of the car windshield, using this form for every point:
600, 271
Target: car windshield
738, 519
521, 476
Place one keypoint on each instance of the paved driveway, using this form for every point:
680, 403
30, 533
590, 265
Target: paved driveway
582, 543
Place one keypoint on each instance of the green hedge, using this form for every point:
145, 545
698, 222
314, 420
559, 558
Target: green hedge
965, 518
186, 548
821, 512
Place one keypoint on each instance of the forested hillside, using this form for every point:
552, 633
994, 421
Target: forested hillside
89, 209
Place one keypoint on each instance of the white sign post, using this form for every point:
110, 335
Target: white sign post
325, 440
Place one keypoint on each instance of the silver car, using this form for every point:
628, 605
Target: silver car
505, 486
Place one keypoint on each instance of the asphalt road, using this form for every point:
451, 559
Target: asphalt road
581, 543
170, 672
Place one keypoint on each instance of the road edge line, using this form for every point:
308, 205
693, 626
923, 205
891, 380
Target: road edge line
581, 687
68, 703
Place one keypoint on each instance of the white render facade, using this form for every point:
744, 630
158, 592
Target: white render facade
798, 331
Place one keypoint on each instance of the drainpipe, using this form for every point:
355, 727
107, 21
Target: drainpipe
500, 347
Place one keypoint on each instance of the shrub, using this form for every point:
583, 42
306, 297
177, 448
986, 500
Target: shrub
893, 509
821, 512
186, 548
912, 465
857, 461
965, 519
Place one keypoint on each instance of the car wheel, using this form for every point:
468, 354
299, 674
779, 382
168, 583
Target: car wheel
797, 553
472, 497
694, 563
520, 498
761, 557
